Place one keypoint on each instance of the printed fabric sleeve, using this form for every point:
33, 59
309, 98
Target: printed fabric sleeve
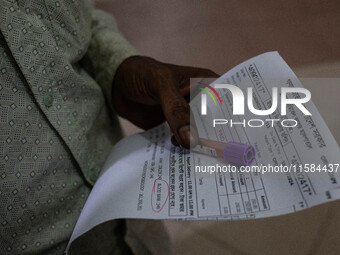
107, 50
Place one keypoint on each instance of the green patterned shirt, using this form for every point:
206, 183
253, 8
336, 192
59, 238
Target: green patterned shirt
57, 63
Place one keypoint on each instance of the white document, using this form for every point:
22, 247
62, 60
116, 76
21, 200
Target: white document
145, 176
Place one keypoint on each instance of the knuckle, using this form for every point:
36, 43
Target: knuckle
179, 109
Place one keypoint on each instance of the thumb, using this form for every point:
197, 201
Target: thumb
177, 113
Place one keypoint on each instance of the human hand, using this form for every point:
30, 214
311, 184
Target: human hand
147, 92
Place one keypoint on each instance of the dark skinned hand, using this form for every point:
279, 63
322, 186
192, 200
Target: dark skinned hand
148, 92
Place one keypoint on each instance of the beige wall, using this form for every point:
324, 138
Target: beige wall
219, 34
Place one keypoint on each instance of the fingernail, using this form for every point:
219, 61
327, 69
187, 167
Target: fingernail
186, 136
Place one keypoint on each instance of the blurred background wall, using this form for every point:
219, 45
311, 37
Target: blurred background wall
221, 34
218, 35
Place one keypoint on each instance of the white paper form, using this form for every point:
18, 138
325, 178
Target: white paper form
145, 176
